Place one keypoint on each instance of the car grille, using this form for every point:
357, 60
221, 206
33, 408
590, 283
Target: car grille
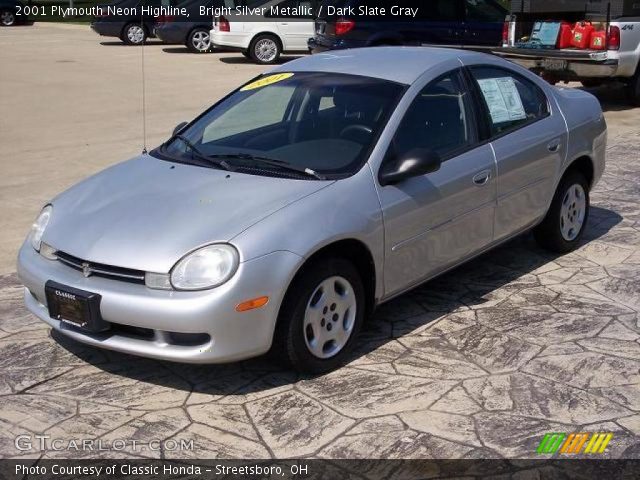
100, 270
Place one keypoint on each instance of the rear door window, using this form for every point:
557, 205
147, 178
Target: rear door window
511, 100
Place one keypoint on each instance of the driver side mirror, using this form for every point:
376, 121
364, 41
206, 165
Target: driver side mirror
414, 163
179, 128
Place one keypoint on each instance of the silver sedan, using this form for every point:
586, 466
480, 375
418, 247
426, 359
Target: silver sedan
285, 213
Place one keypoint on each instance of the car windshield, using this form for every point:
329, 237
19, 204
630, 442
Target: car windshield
320, 122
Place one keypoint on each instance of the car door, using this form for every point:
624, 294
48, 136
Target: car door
434, 221
296, 28
529, 141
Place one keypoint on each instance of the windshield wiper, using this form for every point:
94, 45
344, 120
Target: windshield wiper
273, 162
197, 153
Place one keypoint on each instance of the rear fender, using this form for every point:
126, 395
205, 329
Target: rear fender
587, 128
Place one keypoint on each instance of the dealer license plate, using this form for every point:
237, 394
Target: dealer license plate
75, 307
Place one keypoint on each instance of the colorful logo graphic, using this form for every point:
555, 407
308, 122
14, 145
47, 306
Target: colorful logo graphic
574, 443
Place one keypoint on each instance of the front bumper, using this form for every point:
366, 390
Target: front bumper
231, 335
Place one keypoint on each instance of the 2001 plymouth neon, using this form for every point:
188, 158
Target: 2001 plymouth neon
281, 216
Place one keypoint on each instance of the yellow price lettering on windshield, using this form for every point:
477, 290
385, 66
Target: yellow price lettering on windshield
268, 80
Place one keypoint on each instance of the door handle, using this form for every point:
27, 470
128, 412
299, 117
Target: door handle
482, 178
554, 146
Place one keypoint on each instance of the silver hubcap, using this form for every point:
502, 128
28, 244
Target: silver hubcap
7, 18
330, 317
135, 34
200, 41
574, 208
266, 50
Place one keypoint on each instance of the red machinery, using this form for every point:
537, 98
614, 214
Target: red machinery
582, 34
566, 35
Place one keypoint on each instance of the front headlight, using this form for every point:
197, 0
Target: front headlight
207, 267
38, 227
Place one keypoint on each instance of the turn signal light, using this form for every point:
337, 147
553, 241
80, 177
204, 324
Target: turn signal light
252, 304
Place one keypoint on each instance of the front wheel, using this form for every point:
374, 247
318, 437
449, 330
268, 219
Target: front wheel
7, 18
320, 317
134, 34
265, 49
563, 227
199, 41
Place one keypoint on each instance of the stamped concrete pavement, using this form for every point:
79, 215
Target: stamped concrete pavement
478, 363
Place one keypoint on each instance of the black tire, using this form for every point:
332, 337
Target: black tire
246, 54
263, 43
591, 82
549, 233
196, 39
633, 89
290, 344
7, 18
130, 39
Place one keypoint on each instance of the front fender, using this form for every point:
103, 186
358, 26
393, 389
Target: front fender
348, 209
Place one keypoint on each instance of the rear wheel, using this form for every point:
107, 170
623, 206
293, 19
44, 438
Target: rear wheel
320, 317
199, 40
265, 49
134, 34
563, 227
7, 18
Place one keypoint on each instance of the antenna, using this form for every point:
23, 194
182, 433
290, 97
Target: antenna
144, 91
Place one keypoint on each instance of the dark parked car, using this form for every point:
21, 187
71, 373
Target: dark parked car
471, 23
131, 28
193, 32
10, 13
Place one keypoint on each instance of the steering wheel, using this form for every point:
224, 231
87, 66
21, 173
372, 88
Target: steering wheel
356, 129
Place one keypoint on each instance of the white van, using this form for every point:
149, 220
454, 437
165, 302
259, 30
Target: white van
264, 30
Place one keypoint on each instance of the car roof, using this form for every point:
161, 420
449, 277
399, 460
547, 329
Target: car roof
396, 64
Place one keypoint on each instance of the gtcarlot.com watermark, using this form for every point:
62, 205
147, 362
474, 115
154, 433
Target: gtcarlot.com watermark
27, 442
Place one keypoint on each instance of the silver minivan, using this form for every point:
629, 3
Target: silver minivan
284, 214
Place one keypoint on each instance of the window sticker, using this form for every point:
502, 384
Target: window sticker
503, 99
268, 80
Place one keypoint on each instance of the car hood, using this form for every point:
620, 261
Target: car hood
146, 213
